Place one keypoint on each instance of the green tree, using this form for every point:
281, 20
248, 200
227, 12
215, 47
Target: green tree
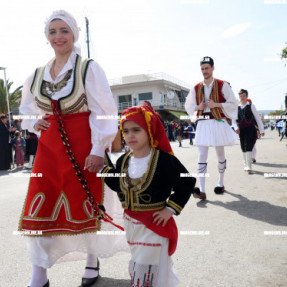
276, 113
284, 55
14, 97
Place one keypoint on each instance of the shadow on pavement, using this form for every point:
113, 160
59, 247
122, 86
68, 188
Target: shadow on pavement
270, 165
110, 282
202, 203
257, 172
258, 210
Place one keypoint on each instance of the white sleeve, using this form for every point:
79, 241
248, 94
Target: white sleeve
230, 107
258, 119
28, 106
190, 104
101, 103
234, 124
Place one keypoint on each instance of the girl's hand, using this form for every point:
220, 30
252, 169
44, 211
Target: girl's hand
94, 163
162, 216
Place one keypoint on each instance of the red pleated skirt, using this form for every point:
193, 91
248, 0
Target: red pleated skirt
56, 202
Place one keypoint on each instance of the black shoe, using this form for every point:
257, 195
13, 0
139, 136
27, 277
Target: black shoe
88, 282
46, 285
219, 190
198, 194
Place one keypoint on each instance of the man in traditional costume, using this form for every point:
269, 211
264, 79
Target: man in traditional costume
58, 214
246, 127
214, 103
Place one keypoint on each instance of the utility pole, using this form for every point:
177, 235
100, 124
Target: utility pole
88, 41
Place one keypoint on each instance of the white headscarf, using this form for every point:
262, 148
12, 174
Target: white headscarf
72, 23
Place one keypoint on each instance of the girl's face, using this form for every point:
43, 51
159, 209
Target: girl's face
135, 136
61, 37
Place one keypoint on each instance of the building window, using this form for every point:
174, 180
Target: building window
182, 96
125, 99
145, 96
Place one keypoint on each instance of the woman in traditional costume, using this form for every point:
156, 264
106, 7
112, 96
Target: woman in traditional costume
75, 96
152, 187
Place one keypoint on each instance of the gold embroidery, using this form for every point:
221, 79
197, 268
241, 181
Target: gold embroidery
77, 105
200, 97
49, 89
215, 97
175, 206
73, 102
133, 189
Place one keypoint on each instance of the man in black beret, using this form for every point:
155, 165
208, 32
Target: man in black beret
214, 103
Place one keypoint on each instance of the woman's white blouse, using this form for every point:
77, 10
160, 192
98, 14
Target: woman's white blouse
99, 97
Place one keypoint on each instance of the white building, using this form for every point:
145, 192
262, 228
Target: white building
166, 94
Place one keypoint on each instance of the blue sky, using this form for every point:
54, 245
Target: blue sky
171, 36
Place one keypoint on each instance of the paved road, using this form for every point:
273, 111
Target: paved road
223, 241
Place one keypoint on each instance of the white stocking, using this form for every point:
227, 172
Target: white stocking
39, 276
221, 164
91, 262
202, 166
254, 152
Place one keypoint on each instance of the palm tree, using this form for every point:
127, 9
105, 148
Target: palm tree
14, 97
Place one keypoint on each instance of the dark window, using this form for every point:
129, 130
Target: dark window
145, 96
125, 98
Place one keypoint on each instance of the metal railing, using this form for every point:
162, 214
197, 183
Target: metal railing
154, 103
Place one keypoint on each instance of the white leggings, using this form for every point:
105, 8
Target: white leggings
254, 152
202, 164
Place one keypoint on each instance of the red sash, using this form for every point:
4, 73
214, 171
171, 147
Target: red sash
169, 231
56, 202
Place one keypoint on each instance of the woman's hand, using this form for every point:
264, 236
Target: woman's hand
162, 216
42, 124
94, 163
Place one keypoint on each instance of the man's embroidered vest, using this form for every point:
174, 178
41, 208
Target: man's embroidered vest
74, 102
216, 95
245, 117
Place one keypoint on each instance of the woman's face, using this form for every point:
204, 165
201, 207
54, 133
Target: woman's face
61, 37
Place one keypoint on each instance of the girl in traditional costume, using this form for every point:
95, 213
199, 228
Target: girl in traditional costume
19, 147
152, 187
73, 93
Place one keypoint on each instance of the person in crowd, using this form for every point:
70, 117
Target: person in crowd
5, 158
19, 147
31, 148
190, 131
179, 134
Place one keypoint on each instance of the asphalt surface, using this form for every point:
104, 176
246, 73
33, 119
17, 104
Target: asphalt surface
238, 239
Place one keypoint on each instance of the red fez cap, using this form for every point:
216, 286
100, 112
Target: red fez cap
146, 117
